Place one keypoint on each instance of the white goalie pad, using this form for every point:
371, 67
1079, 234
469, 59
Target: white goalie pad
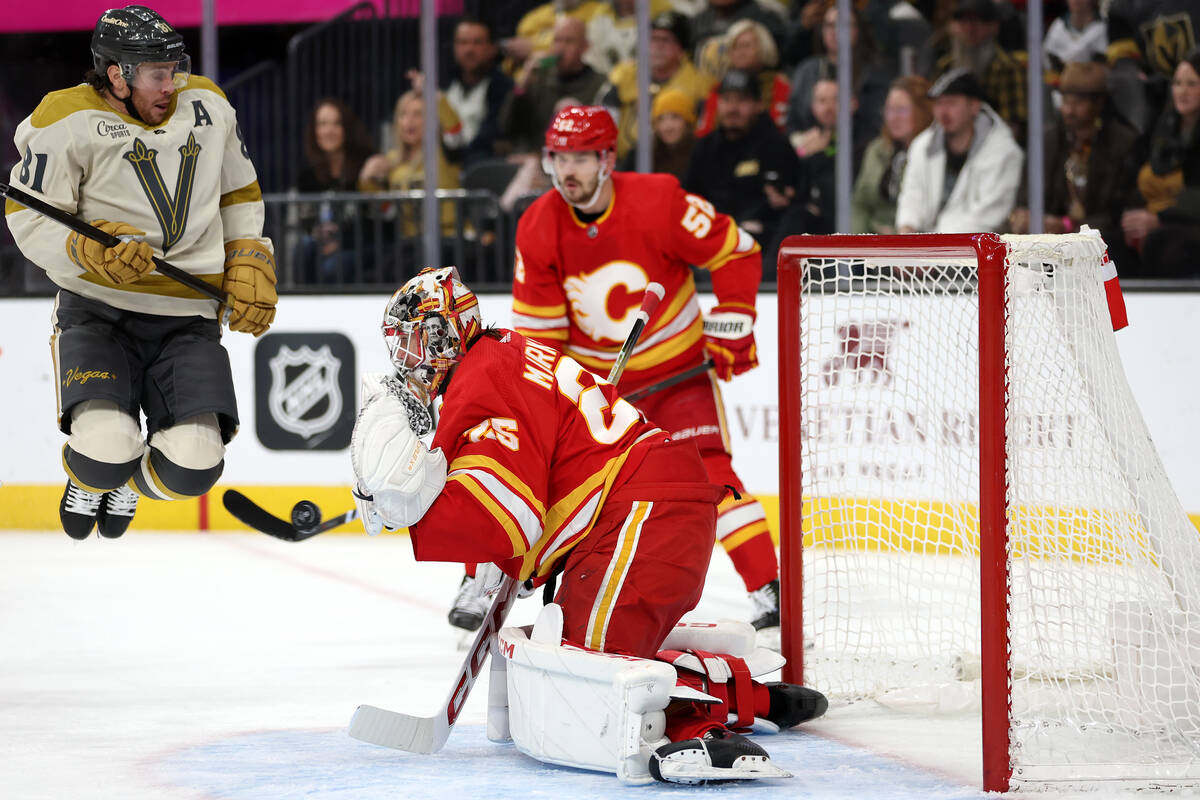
727, 636
566, 705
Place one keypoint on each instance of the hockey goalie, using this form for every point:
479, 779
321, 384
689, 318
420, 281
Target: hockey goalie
539, 468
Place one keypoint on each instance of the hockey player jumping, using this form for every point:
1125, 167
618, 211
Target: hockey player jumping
151, 154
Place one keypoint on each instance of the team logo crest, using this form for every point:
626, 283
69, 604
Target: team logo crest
308, 402
304, 397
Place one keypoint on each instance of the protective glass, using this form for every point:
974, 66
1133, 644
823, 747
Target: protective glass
157, 74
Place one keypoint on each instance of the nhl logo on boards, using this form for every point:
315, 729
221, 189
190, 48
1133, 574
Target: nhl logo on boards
304, 391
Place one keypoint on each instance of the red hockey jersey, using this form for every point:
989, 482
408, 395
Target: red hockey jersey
577, 285
534, 443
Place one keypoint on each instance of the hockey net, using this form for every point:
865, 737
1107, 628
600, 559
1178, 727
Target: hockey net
973, 513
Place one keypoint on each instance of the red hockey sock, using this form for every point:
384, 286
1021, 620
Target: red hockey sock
754, 559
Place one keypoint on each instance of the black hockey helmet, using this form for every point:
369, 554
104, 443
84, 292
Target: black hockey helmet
134, 35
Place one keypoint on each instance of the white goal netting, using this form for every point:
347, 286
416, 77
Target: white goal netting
1104, 566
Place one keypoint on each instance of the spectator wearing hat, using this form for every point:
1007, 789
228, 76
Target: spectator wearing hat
745, 167
1090, 173
748, 46
964, 170
670, 68
974, 47
674, 120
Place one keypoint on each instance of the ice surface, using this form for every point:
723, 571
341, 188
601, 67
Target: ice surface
226, 667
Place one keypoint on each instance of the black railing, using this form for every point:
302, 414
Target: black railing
358, 56
355, 242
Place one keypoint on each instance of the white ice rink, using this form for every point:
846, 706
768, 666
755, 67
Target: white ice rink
226, 666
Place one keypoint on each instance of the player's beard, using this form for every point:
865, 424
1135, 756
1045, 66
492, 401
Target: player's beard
580, 191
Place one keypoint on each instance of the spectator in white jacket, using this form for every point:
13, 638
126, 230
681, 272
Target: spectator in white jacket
963, 171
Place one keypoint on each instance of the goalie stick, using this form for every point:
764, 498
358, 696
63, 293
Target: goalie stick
251, 513
416, 734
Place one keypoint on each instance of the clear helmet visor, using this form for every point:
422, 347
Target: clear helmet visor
160, 74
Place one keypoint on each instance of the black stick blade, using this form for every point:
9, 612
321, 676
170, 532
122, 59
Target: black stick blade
250, 513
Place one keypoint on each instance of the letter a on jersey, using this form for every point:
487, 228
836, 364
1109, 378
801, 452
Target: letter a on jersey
171, 211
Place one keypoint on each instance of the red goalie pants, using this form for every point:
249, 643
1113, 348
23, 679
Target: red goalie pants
643, 565
693, 411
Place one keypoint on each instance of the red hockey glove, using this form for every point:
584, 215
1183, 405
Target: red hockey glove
729, 339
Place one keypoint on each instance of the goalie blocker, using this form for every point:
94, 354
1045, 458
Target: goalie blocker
567, 705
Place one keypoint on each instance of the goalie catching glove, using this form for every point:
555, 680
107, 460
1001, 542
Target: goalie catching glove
398, 477
250, 285
125, 263
729, 339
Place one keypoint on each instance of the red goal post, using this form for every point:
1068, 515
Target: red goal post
998, 342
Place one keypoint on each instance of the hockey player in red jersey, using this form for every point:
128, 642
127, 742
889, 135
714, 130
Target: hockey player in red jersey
538, 466
587, 250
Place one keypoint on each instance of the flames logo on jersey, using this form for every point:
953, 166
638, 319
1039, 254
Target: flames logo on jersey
589, 296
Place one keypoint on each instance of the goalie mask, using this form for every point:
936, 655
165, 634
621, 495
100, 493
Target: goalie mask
579, 129
428, 325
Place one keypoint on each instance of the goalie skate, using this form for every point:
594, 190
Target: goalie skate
719, 755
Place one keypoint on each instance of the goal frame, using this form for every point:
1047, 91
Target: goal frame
988, 250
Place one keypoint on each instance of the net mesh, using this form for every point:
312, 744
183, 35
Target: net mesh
1102, 559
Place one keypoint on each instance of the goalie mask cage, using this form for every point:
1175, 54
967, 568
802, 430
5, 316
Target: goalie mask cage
973, 515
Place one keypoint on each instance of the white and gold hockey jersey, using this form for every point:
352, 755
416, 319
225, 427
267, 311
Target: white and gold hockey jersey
188, 183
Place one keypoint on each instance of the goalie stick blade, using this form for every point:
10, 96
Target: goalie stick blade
399, 731
250, 513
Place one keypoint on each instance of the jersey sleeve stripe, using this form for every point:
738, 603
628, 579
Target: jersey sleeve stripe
743, 535
515, 484
538, 323
528, 521
529, 309
574, 528
494, 508
250, 193
729, 250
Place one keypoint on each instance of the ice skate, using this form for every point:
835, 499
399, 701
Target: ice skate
116, 512
718, 755
77, 510
792, 704
765, 601
470, 605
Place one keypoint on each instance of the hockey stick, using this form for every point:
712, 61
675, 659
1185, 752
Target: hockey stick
108, 240
427, 734
678, 377
306, 518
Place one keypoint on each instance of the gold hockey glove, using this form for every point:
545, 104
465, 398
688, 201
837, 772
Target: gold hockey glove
124, 263
250, 283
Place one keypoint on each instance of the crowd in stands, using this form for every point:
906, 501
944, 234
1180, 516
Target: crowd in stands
745, 104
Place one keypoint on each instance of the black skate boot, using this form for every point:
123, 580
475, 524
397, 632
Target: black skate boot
718, 755
116, 512
766, 606
470, 605
792, 704
77, 511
